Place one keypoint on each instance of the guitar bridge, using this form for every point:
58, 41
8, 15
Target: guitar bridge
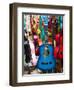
44, 63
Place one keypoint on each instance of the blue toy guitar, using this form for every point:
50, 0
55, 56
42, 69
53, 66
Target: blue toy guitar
46, 60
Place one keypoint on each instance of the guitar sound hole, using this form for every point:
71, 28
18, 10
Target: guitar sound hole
44, 63
46, 51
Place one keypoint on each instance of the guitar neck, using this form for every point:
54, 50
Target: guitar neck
46, 37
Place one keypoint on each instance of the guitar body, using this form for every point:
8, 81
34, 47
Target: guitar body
58, 50
46, 60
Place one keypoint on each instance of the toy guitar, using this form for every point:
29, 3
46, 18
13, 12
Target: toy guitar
58, 51
46, 60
